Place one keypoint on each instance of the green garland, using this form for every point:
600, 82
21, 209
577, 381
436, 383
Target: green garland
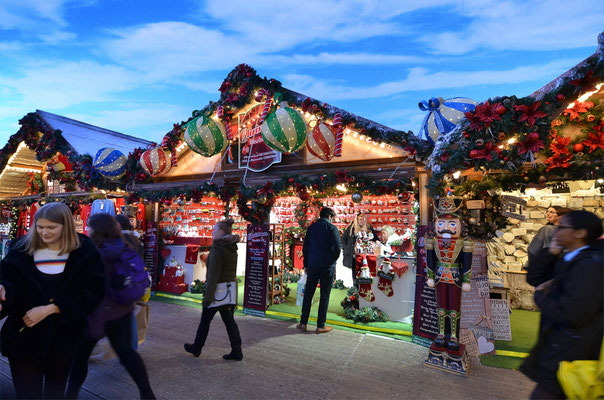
366, 315
482, 141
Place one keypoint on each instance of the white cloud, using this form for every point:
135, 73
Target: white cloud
521, 25
419, 79
63, 83
150, 121
285, 24
326, 58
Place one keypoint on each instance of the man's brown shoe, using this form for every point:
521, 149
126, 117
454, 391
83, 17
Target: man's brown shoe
325, 329
302, 327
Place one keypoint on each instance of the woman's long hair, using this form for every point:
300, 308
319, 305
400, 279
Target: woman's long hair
57, 213
357, 227
104, 227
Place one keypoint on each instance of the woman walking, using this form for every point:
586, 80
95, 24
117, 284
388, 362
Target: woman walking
571, 303
51, 280
222, 267
110, 318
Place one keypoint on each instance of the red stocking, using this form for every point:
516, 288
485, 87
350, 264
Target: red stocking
385, 283
365, 290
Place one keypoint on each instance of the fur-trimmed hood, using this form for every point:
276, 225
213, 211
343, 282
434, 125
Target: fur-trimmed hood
227, 239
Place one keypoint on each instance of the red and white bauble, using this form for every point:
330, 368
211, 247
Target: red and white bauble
322, 141
156, 161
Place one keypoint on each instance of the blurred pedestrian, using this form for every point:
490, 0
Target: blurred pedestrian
222, 268
571, 303
544, 235
51, 280
111, 318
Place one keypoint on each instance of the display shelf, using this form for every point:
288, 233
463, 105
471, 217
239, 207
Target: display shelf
276, 260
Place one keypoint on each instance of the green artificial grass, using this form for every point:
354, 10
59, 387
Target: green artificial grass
502, 361
335, 312
525, 330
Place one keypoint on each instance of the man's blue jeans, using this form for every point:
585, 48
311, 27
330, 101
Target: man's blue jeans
325, 276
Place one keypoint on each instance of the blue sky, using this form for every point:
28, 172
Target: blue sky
138, 67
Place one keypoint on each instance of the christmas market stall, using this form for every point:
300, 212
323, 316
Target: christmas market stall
271, 158
49, 159
497, 173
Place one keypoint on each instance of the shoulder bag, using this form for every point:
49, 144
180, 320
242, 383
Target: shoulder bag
225, 294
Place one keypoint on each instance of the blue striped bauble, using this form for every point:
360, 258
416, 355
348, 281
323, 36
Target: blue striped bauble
443, 115
206, 136
110, 163
284, 130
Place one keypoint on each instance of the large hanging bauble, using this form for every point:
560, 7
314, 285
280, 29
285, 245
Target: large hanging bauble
206, 136
357, 197
110, 163
156, 161
284, 130
322, 142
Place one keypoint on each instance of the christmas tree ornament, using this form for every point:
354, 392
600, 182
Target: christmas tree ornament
110, 163
386, 276
357, 197
62, 164
206, 136
284, 130
365, 282
156, 161
404, 197
322, 142
443, 115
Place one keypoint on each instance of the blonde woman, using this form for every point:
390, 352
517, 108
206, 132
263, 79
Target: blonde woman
359, 229
50, 281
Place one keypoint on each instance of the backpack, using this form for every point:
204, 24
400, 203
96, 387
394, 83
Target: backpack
129, 279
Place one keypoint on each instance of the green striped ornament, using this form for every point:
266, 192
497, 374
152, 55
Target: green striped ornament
206, 136
284, 130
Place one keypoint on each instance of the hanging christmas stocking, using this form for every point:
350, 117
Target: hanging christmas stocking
365, 290
386, 275
365, 281
385, 283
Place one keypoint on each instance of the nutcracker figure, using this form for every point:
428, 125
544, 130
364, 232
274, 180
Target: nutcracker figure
449, 261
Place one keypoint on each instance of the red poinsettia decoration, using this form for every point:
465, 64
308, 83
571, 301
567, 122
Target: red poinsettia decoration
485, 113
532, 143
587, 84
530, 113
595, 141
559, 145
558, 160
577, 109
486, 152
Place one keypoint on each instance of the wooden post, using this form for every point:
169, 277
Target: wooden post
423, 198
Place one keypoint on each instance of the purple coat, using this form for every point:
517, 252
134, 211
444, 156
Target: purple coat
107, 311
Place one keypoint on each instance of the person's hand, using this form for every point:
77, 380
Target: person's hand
430, 282
37, 314
2, 295
554, 247
466, 287
544, 286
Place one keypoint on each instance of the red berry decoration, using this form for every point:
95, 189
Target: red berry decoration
560, 97
304, 195
578, 148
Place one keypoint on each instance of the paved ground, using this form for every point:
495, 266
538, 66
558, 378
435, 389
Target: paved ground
282, 362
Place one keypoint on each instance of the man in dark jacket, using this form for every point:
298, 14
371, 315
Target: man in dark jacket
321, 250
571, 301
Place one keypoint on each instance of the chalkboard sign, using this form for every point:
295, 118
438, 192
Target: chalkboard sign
425, 317
150, 245
500, 310
256, 269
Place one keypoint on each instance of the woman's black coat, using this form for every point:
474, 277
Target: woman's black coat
82, 291
349, 240
572, 324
